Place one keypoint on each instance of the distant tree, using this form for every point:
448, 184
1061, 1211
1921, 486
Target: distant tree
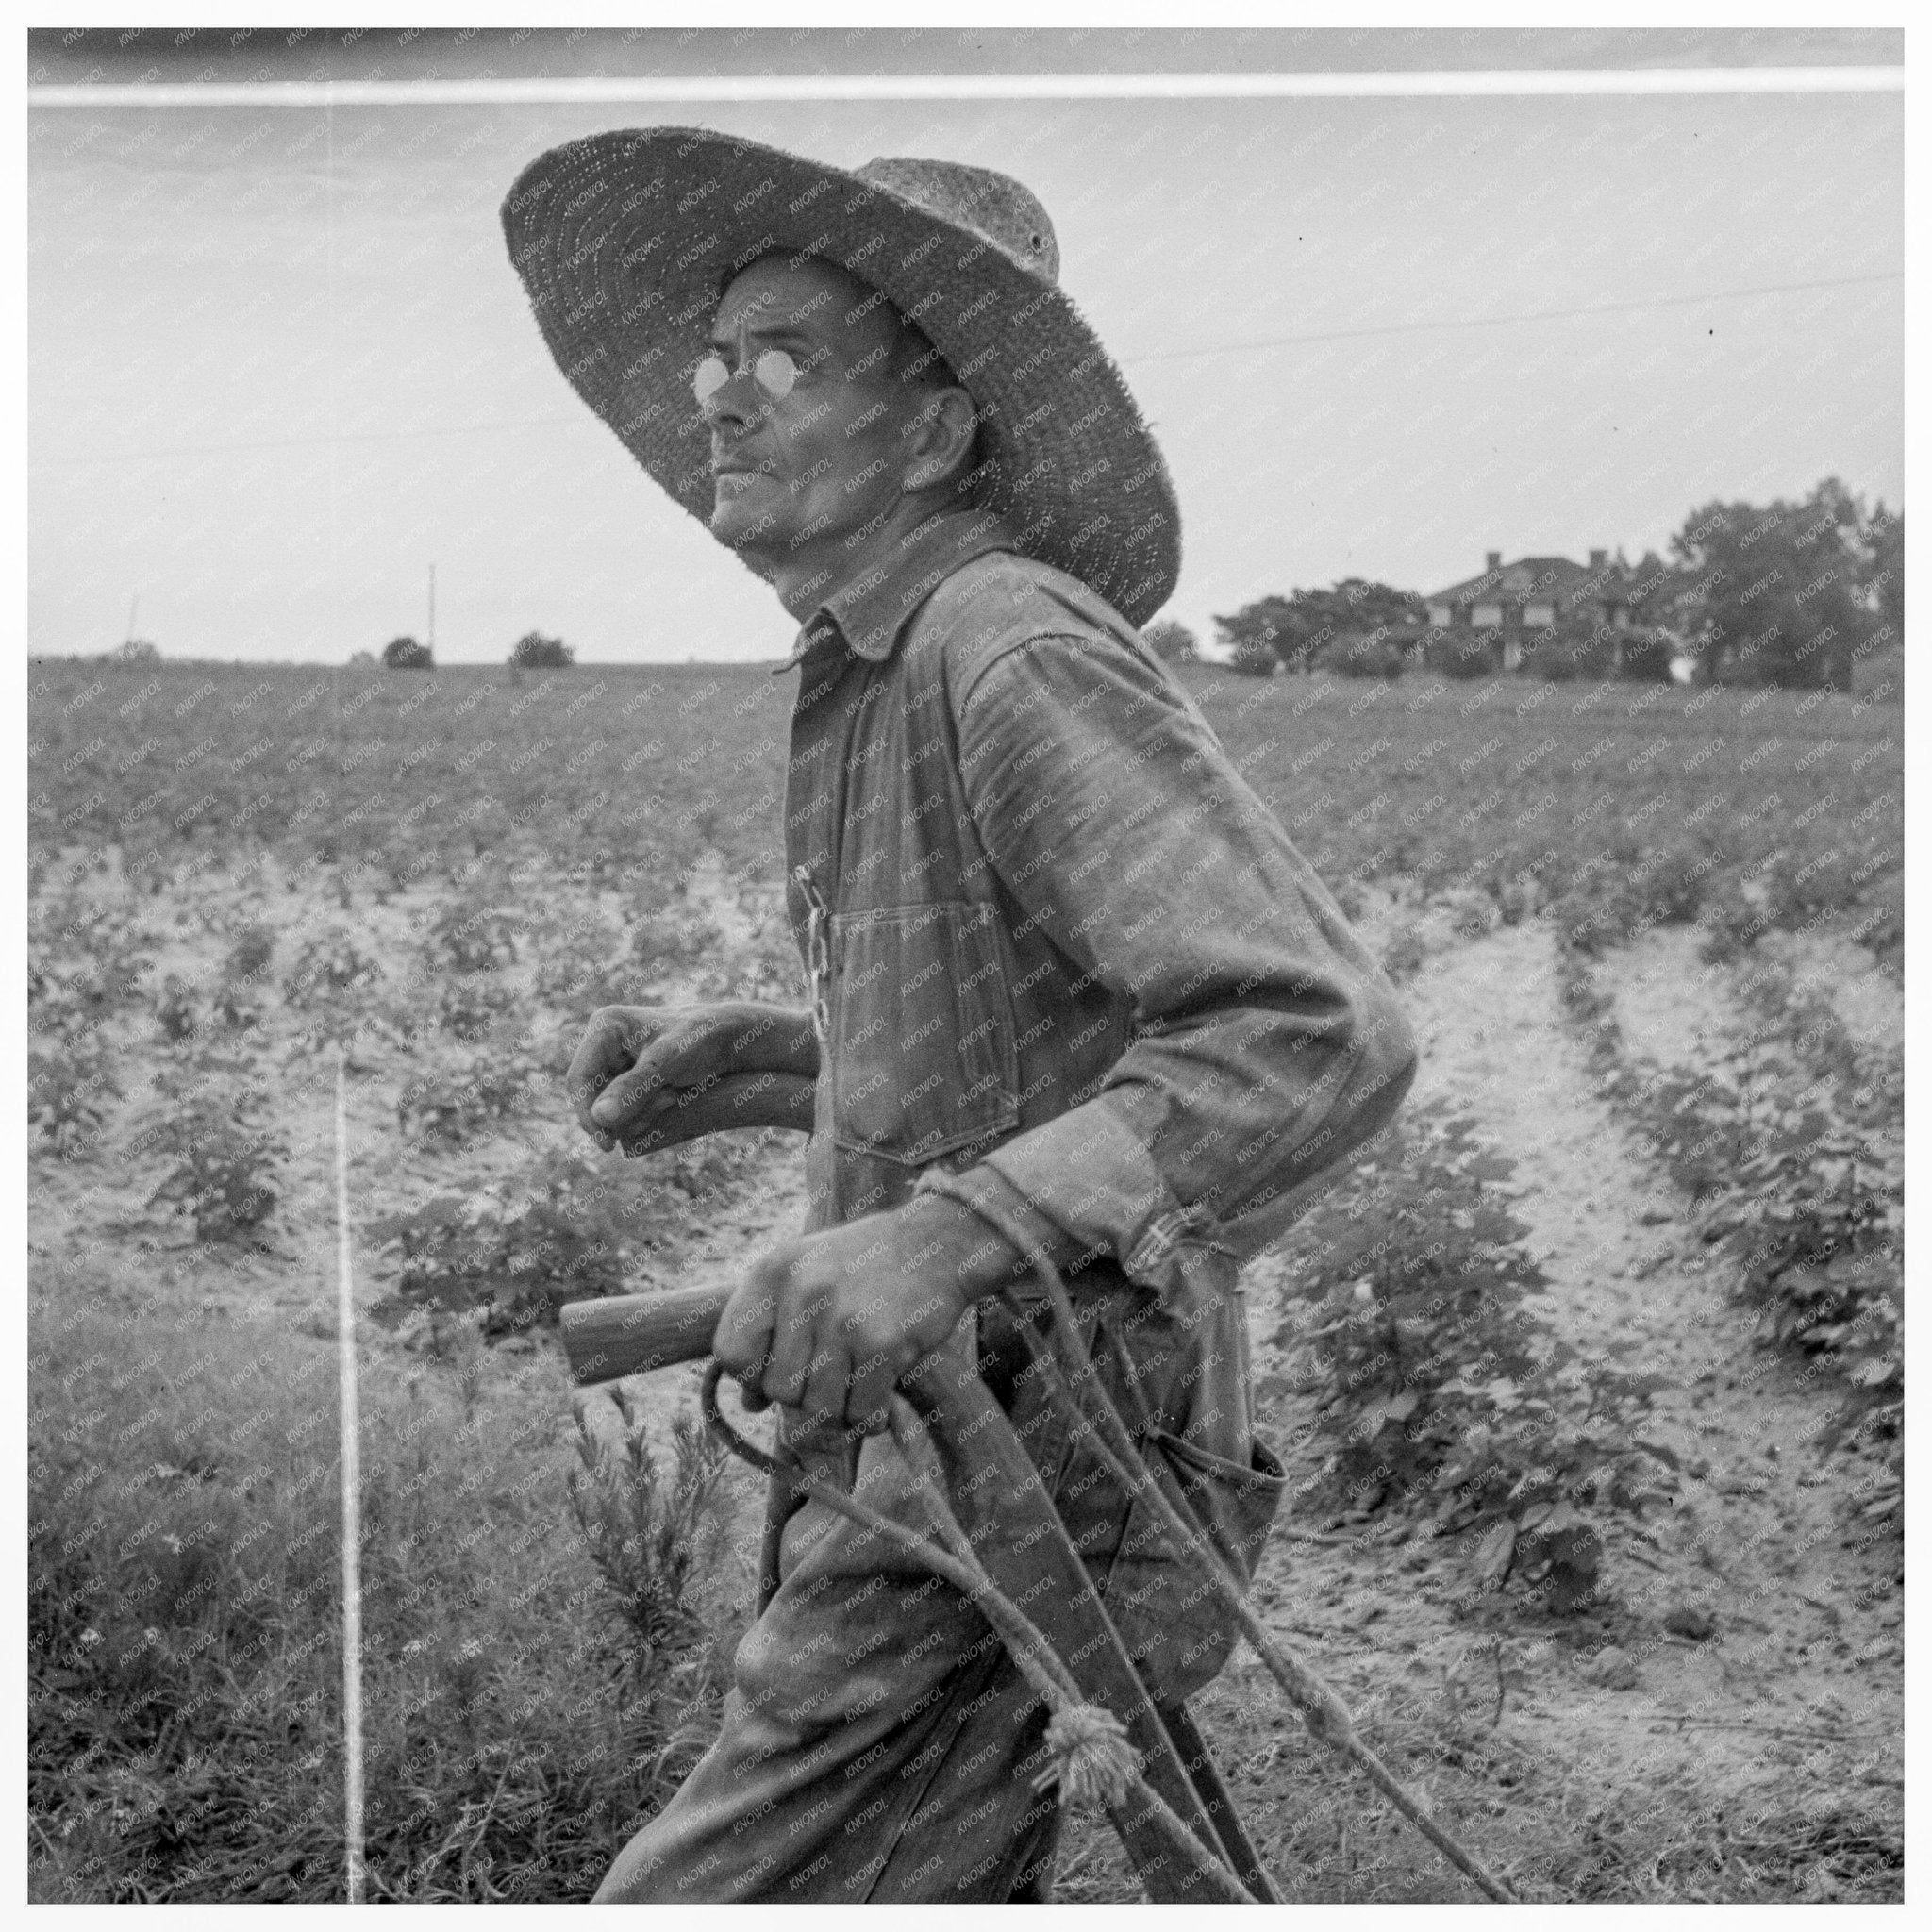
135, 651
1253, 636
1305, 623
533, 651
1172, 642
405, 654
1779, 593
1647, 653
1371, 606
1360, 654
1461, 651
1885, 548
363, 658
1572, 647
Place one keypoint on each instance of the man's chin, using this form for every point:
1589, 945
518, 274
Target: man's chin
739, 524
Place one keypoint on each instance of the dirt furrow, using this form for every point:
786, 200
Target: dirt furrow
1754, 1549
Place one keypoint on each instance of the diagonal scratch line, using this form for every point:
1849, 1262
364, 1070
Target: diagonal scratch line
352, 1501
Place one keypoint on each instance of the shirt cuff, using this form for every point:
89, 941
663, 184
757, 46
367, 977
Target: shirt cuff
1081, 1185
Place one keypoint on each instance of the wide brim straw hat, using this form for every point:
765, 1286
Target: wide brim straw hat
625, 241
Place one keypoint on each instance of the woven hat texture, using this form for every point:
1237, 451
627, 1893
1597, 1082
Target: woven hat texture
625, 242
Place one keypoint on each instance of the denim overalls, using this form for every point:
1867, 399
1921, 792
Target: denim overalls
1062, 951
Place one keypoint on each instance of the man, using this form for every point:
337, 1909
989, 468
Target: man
1065, 963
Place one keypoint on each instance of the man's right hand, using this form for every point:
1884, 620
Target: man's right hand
648, 1077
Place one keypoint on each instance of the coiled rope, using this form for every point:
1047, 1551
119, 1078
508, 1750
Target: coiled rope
1092, 1761
1322, 1712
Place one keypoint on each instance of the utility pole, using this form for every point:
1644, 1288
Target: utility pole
432, 607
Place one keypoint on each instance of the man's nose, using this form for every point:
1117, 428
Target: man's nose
736, 403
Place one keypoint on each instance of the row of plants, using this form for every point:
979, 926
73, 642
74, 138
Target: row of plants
472, 1031
624, 768
1719, 795
1621, 810
1789, 1146
1441, 1394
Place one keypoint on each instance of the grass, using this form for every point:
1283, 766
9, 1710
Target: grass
1554, 1828
185, 1722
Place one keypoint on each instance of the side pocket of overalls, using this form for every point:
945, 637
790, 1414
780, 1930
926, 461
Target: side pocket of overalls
1171, 1618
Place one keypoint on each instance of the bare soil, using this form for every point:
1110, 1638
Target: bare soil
1624, 1756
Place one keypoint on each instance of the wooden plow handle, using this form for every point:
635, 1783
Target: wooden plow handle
633, 1334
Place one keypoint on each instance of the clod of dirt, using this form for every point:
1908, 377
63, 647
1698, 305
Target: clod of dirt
1687, 1620
1613, 1670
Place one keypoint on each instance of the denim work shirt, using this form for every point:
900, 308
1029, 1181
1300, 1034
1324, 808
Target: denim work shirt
1059, 947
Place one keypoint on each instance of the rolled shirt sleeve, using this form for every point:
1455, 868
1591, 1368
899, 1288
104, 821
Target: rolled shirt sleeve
1266, 1042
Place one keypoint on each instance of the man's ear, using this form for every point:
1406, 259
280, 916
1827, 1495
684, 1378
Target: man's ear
939, 438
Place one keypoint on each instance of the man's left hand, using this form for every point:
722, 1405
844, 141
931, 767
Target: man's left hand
827, 1323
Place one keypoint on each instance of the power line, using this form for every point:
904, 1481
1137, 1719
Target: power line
1156, 356
1394, 328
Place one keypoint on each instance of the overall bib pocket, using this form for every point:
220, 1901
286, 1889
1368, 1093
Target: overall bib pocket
923, 1054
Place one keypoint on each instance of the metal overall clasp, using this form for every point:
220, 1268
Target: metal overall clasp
817, 951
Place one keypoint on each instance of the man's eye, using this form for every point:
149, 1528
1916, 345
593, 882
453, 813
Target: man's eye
775, 372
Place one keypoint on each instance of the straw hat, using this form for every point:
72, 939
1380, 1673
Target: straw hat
626, 240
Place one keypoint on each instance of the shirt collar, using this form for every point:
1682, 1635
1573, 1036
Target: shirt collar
870, 615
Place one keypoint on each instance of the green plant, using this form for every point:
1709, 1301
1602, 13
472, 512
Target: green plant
1813, 1223
648, 1541
667, 942
88, 964
471, 1005
457, 1106
248, 958
1439, 1391
1527, 1487
225, 1167
468, 938
519, 1256
575, 960
69, 1085
766, 968
177, 1010
329, 966
1634, 888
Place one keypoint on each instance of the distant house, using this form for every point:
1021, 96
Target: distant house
1513, 601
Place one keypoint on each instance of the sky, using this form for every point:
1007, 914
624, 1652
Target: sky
279, 364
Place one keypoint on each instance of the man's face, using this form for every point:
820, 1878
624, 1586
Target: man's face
828, 457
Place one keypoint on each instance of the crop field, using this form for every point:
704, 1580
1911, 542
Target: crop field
1587, 1372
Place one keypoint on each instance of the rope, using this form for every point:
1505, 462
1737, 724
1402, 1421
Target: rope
1322, 1712
1092, 1758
